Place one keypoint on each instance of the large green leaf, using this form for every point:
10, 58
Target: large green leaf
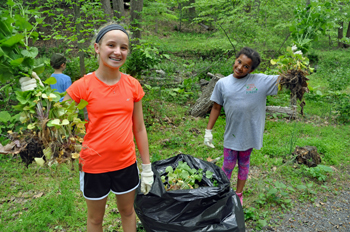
32, 52
5, 73
82, 104
17, 62
50, 81
5, 116
39, 68
18, 38
22, 97
22, 23
34, 36
5, 29
1, 52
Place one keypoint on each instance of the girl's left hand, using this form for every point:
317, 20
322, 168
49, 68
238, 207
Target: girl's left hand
146, 178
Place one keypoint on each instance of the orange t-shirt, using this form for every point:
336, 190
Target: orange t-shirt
109, 142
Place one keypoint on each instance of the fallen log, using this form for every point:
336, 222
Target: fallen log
290, 111
203, 104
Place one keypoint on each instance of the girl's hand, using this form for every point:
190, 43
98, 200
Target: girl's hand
146, 178
208, 138
28, 83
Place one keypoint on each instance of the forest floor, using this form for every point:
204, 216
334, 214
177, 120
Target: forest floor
329, 212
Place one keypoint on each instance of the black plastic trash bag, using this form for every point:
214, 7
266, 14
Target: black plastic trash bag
202, 209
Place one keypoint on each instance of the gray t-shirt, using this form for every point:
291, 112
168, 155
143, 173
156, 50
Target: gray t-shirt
244, 102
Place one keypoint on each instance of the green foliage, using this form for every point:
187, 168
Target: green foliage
8, 123
320, 172
291, 60
307, 191
333, 70
311, 21
52, 121
17, 26
339, 104
89, 14
171, 130
183, 177
73, 67
277, 194
251, 213
8, 118
343, 107
143, 57
339, 80
155, 12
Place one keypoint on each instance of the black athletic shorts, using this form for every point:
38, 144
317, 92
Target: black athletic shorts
98, 186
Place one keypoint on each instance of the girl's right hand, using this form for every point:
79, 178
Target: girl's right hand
208, 138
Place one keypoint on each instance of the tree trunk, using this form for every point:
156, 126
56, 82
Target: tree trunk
256, 8
192, 10
136, 18
180, 18
79, 36
340, 34
348, 35
348, 31
307, 2
118, 5
330, 41
106, 6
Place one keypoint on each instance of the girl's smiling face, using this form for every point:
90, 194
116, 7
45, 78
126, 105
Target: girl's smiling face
242, 66
113, 49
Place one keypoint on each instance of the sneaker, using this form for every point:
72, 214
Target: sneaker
240, 196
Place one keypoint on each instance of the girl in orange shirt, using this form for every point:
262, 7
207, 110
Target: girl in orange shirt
108, 156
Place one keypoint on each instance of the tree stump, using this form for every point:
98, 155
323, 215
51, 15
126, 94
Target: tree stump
307, 155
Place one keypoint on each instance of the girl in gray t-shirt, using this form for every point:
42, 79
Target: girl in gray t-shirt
243, 96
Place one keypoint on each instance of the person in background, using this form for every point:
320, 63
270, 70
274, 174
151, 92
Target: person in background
243, 96
58, 62
108, 156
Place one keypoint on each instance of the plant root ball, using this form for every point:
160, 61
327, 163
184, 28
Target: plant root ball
295, 81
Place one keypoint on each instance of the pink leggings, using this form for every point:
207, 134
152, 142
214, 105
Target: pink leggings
230, 159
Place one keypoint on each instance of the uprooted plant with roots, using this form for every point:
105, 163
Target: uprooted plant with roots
54, 132
293, 69
51, 130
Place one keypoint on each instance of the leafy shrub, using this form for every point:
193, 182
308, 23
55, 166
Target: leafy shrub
343, 108
8, 123
333, 68
73, 68
91, 64
313, 57
143, 57
17, 57
278, 193
320, 172
339, 78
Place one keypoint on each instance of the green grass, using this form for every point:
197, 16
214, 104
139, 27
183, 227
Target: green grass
192, 43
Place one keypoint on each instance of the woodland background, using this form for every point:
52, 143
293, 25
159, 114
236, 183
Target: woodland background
175, 44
